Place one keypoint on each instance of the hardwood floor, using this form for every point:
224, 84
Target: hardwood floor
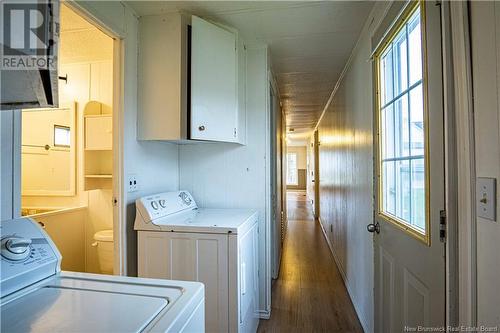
309, 295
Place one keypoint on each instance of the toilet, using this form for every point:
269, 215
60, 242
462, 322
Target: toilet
104, 243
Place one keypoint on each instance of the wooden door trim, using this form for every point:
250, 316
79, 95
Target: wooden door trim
461, 242
119, 37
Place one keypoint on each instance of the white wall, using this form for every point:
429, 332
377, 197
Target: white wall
485, 41
233, 176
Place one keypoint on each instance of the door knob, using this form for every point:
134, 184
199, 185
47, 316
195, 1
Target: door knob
201, 128
373, 227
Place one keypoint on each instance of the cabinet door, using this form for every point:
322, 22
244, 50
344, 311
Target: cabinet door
191, 257
98, 133
214, 88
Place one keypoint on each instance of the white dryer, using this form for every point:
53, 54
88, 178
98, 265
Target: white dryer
219, 247
37, 297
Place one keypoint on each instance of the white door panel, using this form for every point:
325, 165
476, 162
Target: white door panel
410, 274
214, 110
191, 257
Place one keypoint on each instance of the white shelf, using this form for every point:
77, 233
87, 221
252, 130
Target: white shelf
98, 115
99, 176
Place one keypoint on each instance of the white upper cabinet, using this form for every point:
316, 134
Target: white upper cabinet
191, 80
162, 77
213, 82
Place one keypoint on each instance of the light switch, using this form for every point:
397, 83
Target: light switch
486, 198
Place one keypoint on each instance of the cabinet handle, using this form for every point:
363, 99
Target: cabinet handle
201, 128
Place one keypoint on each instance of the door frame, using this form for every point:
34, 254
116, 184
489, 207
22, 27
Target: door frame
316, 175
277, 130
275, 258
119, 207
461, 256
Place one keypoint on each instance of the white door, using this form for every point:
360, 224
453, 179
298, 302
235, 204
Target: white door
409, 256
214, 110
190, 257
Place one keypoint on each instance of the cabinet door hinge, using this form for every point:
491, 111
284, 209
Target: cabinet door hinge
234, 133
442, 226
115, 202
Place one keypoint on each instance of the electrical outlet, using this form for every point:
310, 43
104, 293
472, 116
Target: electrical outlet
132, 183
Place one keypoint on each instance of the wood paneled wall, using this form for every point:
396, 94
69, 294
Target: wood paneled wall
346, 176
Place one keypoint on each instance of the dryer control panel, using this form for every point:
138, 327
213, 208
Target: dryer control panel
27, 254
164, 204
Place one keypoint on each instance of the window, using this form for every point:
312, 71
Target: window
62, 136
401, 118
291, 174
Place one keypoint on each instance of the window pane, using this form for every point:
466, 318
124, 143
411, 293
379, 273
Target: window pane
417, 121
402, 127
388, 132
415, 48
292, 177
396, 189
395, 129
389, 187
418, 193
386, 80
62, 136
401, 130
400, 63
403, 196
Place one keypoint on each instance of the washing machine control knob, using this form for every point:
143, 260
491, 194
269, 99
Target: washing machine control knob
154, 204
162, 203
15, 248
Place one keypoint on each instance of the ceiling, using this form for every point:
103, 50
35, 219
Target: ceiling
310, 43
81, 41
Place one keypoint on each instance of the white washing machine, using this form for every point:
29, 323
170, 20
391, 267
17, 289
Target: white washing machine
37, 297
219, 247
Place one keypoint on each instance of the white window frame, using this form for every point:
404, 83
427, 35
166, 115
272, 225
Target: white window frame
390, 37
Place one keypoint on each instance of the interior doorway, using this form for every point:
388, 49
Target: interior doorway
67, 155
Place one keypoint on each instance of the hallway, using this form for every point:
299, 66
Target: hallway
309, 295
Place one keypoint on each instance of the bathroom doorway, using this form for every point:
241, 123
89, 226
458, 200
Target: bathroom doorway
68, 153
